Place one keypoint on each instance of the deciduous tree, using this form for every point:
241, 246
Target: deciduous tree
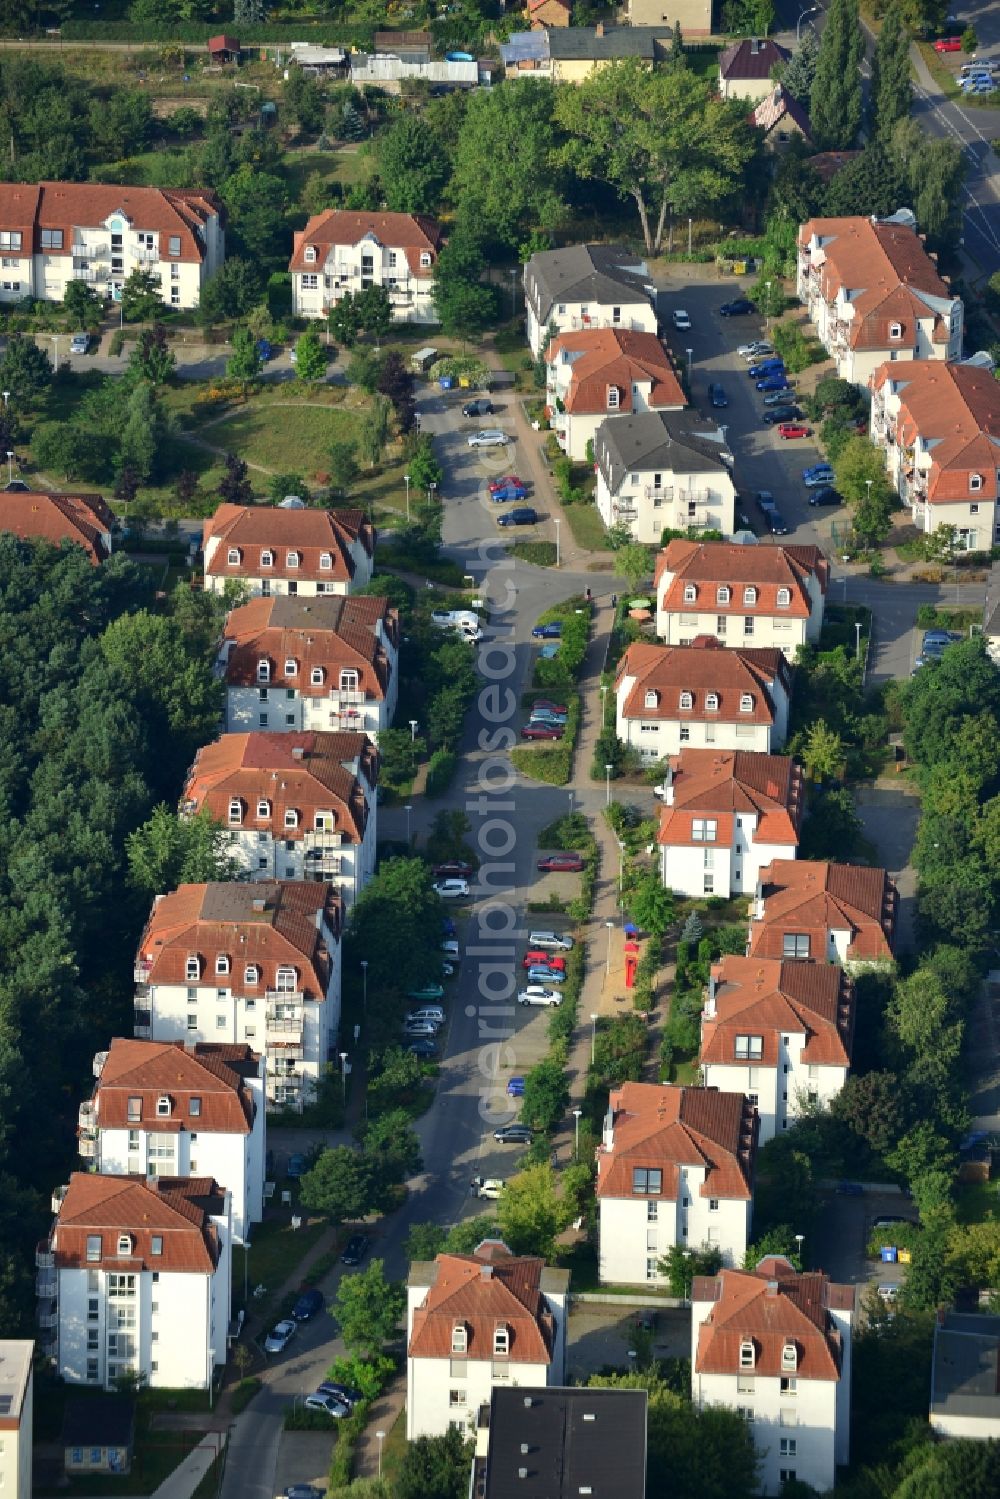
168, 850
310, 358
231, 293
506, 178
25, 370
82, 303
368, 1308
341, 1184
152, 359
234, 486
244, 361
436, 1467
413, 165
141, 297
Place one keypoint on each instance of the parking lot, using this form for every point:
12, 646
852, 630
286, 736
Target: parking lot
842, 1231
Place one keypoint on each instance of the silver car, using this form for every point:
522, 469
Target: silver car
488, 437
552, 940
537, 994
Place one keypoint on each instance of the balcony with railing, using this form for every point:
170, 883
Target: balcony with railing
87, 1146
46, 1284
282, 1054
284, 1018
48, 1315
659, 493
285, 1089
57, 1198
141, 971
45, 1257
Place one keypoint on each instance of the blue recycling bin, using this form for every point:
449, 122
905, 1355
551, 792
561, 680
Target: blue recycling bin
447, 382
889, 1254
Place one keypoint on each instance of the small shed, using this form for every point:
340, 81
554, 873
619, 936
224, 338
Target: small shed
98, 1434
223, 49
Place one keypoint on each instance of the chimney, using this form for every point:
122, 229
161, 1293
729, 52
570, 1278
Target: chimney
754, 46
486, 1272
259, 903
527, 1402
599, 29
772, 1288
298, 752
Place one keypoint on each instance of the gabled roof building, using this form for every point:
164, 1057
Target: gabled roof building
586, 287
663, 468
598, 374
278, 549
743, 595
81, 518
826, 913
745, 67
341, 251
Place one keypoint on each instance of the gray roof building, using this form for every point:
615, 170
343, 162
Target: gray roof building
673, 441
965, 1375
560, 1443
599, 275
580, 43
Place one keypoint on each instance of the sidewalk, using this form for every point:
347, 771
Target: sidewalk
188, 1475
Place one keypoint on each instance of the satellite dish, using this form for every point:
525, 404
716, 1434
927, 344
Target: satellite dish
744, 538
292, 502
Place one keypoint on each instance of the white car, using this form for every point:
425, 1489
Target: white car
279, 1337
432, 1013
753, 351
537, 994
487, 1186
451, 890
79, 343
681, 319
489, 437
551, 940
454, 619
450, 947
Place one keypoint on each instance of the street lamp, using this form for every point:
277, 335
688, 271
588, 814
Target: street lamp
513, 291
604, 705
406, 481
6, 398
430, 491
767, 307
10, 468
857, 639
343, 1073
364, 980
408, 809
798, 1247
607, 784
607, 967
413, 729
558, 523
381, 1438
689, 236
576, 1137
690, 355
55, 337
593, 1037
811, 11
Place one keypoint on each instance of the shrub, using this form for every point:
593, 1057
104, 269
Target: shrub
117, 343
441, 771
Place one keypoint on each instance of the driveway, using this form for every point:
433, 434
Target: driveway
843, 1226
889, 815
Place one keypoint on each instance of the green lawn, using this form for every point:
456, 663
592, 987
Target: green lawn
286, 439
587, 527
157, 1453
275, 1251
347, 166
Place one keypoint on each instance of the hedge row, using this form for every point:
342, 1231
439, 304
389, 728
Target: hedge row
552, 761
316, 32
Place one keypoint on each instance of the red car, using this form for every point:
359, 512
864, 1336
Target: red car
503, 483
454, 869
539, 731
536, 959
792, 429
561, 863
545, 702
948, 44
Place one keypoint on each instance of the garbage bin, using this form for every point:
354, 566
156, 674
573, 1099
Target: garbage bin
446, 382
889, 1255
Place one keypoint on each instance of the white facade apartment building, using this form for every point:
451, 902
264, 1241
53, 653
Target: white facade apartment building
726, 814
779, 1032
17, 1401
586, 286
703, 696
939, 427
875, 294
597, 375
53, 233
294, 806
311, 665
170, 1109
664, 468
246, 964
135, 1279
775, 1345
477, 1322
675, 1167
340, 252
827, 913
280, 549
758, 596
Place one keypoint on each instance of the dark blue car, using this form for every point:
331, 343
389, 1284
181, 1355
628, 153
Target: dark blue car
766, 367
522, 516
551, 631
774, 382
308, 1304
508, 493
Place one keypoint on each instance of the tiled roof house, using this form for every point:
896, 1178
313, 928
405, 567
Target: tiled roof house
603, 372
81, 518
745, 67
274, 549
341, 251
759, 596
586, 287
828, 913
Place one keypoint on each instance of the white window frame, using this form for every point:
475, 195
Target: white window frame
235, 811
292, 559
686, 702
460, 1338
712, 702
291, 667
975, 483
192, 968
784, 598
251, 974
501, 1341
749, 594
267, 559
263, 670
690, 593
316, 676
222, 964
291, 817
746, 702
651, 699
233, 557
310, 255
723, 595
748, 1354
895, 330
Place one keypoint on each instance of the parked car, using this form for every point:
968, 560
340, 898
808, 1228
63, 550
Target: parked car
979, 84
934, 645
817, 473
79, 343
541, 973
717, 396
557, 941
570, 863
755, 350
777, 398
681, 319
515, 1087
545, 715
329, 1404
513, 1134
782, 413
452, 869
948, 44
773, 383
355, 1249
424, 1048
450, 619
449, 946
451, 889
522, 516
763, 367
429, 991
487, 1186
776, 523
507, 493
538, 994
541, 731
488, 437
414, 1030
308, 1304
303, 1491
279, 1337
738, 307
545, 702
538, 955
433, 1013
551, 630
18, 486
788, 431
765, 499
342, 1392
296, 1167
504, 480
481, 406
825, 494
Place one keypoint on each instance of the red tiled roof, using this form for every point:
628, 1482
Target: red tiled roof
780, 108
660, 1125
828, 163
291, 772
815, 899
329, 632
703, 667
481, 1292
87, 205
83, 518
771, 1307
149, 1070
269, 925
413, 233
752, 58
168, 1208
310, 534
223, 44
955, 407
767, 997
710, 565
619, 358
722, 783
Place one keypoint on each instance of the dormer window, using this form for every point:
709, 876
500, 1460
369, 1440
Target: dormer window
291, 818
267, 559
251, 975
325, 562
233, 557
748, 1357
93, 1247
292, 559
651, 699
263, 670
460, 1338
975, 481
690, 593
134, 1110
348, 681
221, 963
712, 702
316, 676
501, 1340
285, 980
194, 1108
784, 598
722, 595
263, 811
291, 667
687, 702
746, 702
235, 810
895, 330
163, 1107
789, 1358
613, 398
192, 969
324, 822
425, 259
310, 255
125, 1244
750, 595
